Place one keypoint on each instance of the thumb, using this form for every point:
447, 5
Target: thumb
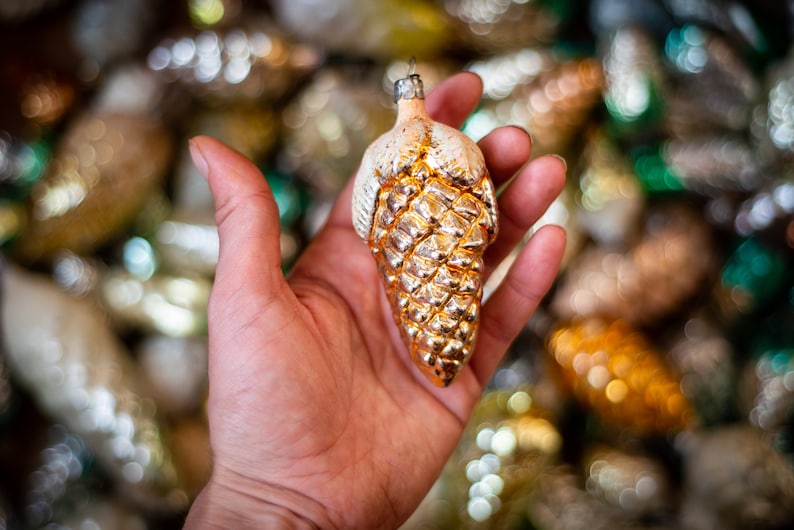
246, 215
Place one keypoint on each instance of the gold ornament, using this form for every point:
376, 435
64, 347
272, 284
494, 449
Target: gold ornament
104, 169
647, 282
609, 192
614, 370
506, 446
532, 89
425, 204
508, 443
328, 124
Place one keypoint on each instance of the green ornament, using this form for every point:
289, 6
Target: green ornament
654, 174
753, 275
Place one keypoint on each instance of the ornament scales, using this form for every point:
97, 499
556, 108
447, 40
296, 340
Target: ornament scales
425, 204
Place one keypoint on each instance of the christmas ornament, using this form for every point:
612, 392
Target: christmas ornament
751, 277
531, 89
768, 389
176, 370
21, 165
634, 81
11, 218
61, 350
330, 120
208, 13
732, 19
106, 31
615, 371
187, 242
86, 196
508, 443
558, 502
653, 173
703, 355
667, 266
175, 306
59, 482
714, 165
770, 212
607, 16
713, 91
424, 203
734, 479
638, 485
250, 63
773, 119
609, 196
75, 274
498, 25
46, 97
385, 29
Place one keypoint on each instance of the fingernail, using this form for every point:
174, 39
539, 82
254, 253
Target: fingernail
523, 130
561, 159
198, 158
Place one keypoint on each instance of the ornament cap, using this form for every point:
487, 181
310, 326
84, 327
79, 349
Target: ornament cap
409, 87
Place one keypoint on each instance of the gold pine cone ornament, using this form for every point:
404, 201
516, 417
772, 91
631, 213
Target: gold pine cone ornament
425, 204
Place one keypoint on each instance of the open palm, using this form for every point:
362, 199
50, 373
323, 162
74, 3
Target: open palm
317, 415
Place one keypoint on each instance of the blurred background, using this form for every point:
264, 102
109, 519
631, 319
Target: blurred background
654, 388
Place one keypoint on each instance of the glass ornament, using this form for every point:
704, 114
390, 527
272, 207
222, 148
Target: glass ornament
62, 351
424, 203
384, 29
650, 280
735, 479
85, 196
616, 372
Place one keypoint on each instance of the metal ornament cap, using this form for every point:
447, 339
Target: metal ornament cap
425, 204
409, 88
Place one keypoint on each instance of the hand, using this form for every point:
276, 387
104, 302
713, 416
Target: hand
317, 414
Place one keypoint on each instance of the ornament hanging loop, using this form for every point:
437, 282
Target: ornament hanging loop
411, 67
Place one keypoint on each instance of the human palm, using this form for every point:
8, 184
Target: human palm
317, 415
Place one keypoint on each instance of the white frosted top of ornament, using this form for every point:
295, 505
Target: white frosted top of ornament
451, 152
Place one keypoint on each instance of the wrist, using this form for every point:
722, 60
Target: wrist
222, 504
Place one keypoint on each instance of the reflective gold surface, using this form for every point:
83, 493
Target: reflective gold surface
428, 239
665, 266
551, 99
105, 167
615, 371
425, 203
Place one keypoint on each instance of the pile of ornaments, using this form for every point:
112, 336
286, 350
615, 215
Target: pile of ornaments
653, 388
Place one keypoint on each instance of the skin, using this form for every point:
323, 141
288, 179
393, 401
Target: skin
318, 417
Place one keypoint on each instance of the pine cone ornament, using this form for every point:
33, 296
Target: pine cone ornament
613, 369
425, 204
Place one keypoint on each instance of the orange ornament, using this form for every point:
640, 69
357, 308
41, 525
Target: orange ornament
614, 370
